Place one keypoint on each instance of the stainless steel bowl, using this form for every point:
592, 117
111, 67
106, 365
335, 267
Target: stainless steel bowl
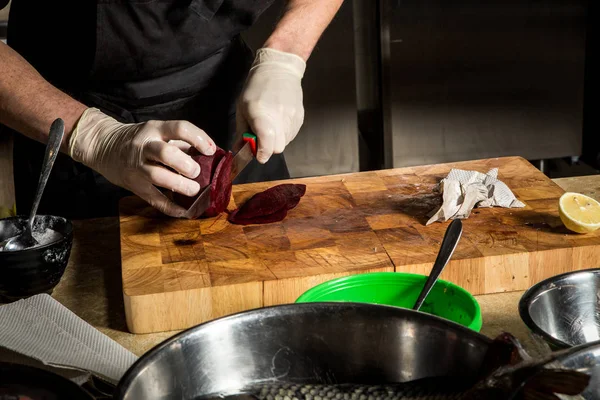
564, 309
304, 342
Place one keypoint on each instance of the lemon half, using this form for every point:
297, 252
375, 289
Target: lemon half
579, 213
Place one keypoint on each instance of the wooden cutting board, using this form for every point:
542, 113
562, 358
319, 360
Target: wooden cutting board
178, 273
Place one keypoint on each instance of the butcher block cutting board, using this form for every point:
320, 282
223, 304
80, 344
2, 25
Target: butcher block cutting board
178, 273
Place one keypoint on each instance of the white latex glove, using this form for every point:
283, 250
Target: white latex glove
271, 102
134, 156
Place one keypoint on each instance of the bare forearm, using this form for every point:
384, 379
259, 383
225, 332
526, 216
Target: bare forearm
28, 103
302, 25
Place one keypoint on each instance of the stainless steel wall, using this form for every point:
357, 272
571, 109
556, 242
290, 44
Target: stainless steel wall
471, 79
407, 82
4, 9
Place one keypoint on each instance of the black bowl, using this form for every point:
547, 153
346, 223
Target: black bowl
36, 270
19, 381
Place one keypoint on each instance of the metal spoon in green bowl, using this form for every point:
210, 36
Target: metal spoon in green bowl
449, 243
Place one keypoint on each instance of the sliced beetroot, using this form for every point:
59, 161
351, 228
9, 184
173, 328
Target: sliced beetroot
208, 165
214, 171
269, 206
272, 205
265, 219
221, 185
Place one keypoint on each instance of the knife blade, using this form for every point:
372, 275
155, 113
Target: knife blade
241, 159
200, 204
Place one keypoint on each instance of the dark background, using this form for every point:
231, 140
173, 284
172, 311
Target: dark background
399, 83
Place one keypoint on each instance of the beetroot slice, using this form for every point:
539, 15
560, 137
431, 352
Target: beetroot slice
220, 191
208, 165
269, 206
265, 219
214, 171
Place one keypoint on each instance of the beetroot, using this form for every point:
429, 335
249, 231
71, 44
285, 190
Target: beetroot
272, 205
269, 206
221, 186
215, 171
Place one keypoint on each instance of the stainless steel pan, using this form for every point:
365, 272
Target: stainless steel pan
317, 342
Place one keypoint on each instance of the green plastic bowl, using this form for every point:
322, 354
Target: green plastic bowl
445, 300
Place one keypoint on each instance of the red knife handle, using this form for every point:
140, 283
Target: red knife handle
250, 138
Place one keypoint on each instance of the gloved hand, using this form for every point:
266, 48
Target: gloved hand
134, 156
271, 102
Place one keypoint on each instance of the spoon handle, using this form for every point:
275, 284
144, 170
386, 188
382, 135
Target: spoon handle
449, 243
57, 131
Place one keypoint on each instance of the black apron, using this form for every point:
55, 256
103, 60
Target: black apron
135, 60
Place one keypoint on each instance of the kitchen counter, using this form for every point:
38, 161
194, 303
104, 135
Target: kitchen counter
91, 286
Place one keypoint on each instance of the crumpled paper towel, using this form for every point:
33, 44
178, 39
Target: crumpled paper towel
39, 329
464, 190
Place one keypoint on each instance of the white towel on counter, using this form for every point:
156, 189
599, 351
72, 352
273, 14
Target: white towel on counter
44, 330
464, 190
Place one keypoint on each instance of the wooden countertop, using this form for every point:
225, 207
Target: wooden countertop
91, 286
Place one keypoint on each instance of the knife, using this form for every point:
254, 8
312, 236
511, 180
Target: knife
241, 159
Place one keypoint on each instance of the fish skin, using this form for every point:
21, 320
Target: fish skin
502, 385
428, 389
509, 382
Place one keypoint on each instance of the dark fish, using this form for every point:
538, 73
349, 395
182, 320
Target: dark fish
516, 376
501, 387
425, 389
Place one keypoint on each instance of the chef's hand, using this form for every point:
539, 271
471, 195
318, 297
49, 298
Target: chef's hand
270, 105
136, 156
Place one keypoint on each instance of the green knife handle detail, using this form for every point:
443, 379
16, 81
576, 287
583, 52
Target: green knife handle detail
250, 138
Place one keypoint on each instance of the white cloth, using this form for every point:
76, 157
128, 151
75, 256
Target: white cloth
464, 190
44, 330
